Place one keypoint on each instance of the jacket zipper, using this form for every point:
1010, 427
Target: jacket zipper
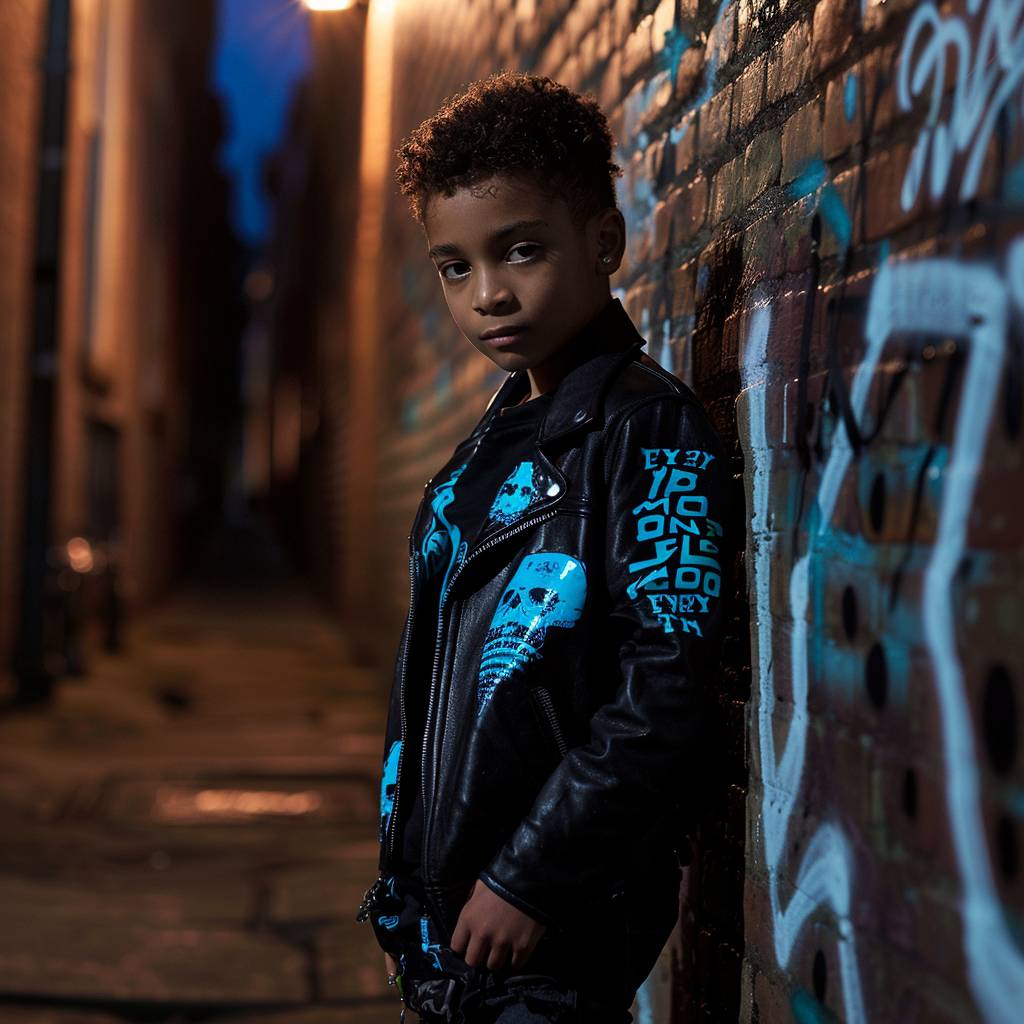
389, 845
548, 513
543, 698
370, 898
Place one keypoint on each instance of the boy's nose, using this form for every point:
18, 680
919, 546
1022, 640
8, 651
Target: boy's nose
490, 298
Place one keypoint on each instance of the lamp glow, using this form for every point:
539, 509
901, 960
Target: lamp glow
328, 5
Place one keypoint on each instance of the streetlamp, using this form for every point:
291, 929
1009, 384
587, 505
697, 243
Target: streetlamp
328, 5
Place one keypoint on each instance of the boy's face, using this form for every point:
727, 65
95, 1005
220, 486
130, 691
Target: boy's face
510, 256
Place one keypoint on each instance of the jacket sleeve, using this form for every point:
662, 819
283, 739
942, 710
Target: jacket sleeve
667, 551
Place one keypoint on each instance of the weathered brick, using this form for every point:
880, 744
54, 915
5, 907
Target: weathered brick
744, 24
761, 164
832, 32
761, 251
715, 119
684, 280
664, 16
605, 35
690, 73
609, 91
841, 127
624, 21
748, 96
840, 213
588, 53
788, 63
884, 173
662, 220
686, 147
725, 191
801, 140
636, 55
690, 209
722, 38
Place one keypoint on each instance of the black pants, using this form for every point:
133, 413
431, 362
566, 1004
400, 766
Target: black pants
556, 986
504, 998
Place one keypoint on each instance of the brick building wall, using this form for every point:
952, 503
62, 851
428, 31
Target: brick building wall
129, 303
821, 201
20, 97
131, 321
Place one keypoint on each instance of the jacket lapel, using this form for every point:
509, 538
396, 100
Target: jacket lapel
596, 353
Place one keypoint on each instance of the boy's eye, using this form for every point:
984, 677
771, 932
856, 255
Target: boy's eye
447, 267
529, 246
523, 245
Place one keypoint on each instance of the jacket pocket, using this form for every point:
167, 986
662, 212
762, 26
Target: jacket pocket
542, 699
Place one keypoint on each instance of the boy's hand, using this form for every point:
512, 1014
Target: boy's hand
489, 928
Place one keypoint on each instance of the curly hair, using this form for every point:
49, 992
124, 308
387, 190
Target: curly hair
513, 123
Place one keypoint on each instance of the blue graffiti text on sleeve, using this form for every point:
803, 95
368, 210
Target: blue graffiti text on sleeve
679, 574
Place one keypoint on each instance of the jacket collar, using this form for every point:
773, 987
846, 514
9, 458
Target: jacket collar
595, 352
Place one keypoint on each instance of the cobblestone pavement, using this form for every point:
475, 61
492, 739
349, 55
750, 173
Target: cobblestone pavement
188, 830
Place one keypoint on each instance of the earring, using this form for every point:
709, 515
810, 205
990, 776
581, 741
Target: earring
606, 259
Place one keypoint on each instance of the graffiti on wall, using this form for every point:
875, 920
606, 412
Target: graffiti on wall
987, 78
967, 65
971, 303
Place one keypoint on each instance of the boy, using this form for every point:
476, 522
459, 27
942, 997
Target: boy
553, 688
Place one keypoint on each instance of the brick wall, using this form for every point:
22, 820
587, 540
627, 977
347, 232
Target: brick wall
129, 313
20, 96
833, 267
132, 316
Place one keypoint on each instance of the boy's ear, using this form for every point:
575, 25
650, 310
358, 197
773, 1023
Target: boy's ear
611, 239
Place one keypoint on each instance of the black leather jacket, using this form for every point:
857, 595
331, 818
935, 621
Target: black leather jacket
577, 652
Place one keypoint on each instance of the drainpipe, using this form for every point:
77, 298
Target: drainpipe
32, 674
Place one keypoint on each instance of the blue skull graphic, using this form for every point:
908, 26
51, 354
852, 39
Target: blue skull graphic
515, 495
547, 589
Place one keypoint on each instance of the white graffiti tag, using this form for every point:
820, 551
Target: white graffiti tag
982, 87
971, 302
825, 874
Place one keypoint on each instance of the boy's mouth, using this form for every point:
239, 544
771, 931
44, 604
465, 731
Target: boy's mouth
502, 335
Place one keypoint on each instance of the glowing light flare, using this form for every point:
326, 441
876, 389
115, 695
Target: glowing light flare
328, 5
176, 803
79, 552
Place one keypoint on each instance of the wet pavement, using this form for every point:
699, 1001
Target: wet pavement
189, 828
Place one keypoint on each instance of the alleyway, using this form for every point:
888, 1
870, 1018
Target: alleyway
188, 831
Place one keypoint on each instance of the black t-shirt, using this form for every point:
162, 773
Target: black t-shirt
493, 486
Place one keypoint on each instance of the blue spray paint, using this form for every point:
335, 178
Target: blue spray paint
833, 209
850, 96
676, 44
